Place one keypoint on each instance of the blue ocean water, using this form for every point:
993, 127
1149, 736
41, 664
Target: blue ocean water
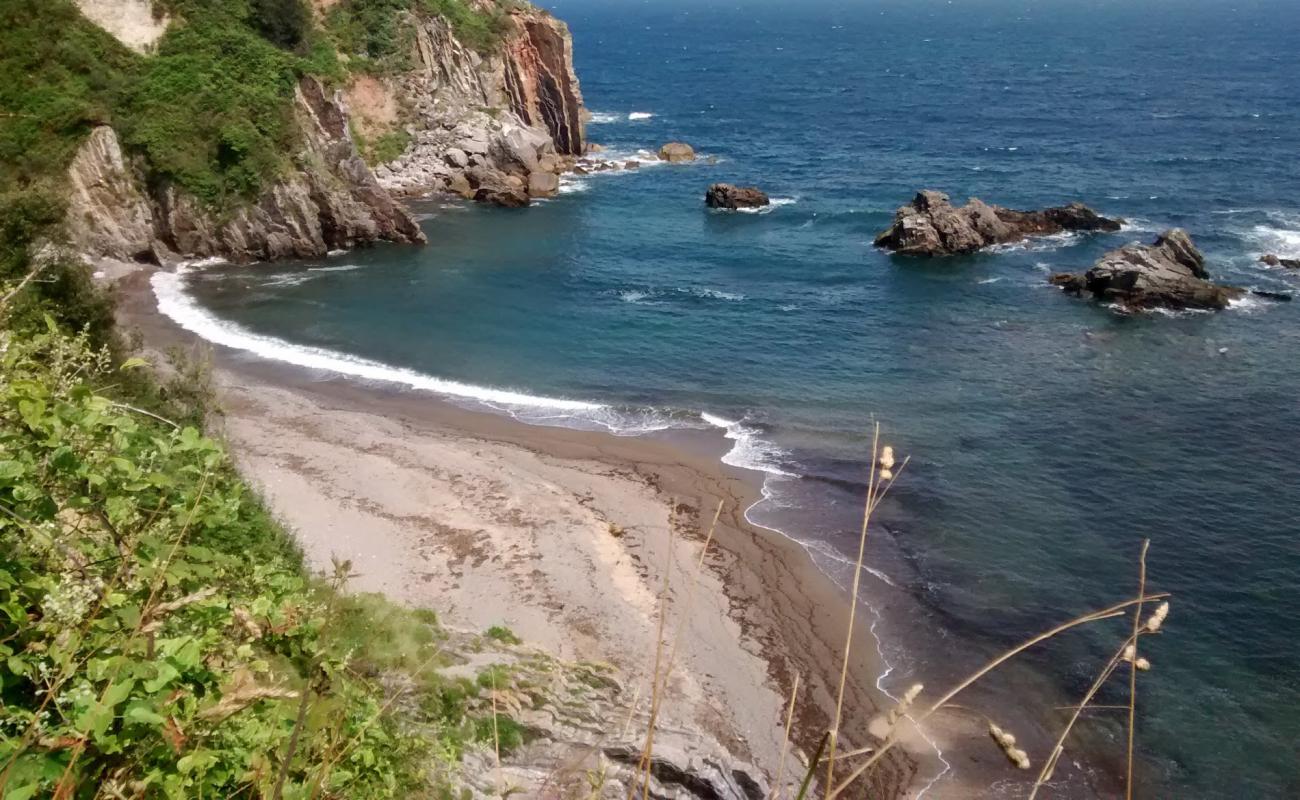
1048, 435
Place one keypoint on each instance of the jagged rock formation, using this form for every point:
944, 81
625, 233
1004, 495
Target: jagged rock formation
724, 195
517, 112
677, 152
332, 201
931, 226
108, 214
1168, 274
581, 741
1275, 261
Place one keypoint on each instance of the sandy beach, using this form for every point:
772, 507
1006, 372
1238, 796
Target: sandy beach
564, 536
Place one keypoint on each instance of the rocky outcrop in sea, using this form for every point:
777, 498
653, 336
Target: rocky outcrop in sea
1167, 274
725, 195
332, 201
931, 226
1273, 260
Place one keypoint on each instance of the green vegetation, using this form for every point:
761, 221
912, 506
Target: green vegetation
211, 110
383, 148
158, 633
370, 33
501, 633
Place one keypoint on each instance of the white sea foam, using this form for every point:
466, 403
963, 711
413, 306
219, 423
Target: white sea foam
1281, 239
749, 451
604, 118
177, 305
1038, 244
340, 268
773, 204
573, 185
639, 115
989, 280
636, 296
715, 294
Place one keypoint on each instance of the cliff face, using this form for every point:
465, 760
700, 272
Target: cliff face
509, 121
498, 127
331, 201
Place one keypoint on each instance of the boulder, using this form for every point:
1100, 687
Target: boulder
631, 165
456, 157
931, 226
1167, 274
724, 195
543, 184
676, 152
1274, 261
502, 195
459, 184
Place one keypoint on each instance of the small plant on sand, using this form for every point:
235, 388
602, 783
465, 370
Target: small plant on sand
502, 634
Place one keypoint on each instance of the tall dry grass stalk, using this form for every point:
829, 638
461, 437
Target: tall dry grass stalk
785, 742
884, 460
1111, 612
661, 678
1133, 670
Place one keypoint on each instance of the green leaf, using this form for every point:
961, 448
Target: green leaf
133, 363
140, 711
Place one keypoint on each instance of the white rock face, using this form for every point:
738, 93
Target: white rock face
109, 215
132, 22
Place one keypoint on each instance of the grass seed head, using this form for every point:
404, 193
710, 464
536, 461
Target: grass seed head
1007, 741
1157, 617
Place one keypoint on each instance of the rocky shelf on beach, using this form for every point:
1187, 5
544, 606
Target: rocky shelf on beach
931, 226
1170, 274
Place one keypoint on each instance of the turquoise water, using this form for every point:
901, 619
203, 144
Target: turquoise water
1049, 436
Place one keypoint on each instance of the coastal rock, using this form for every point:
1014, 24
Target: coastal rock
931, 226
334, 201
138, 24
676, 152
517, 109
1167, 274
456, 157
108, 215
1275, 261
503, 195
724, 195
543, 184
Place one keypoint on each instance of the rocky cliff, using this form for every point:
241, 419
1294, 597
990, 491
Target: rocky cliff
501, 124
331, 200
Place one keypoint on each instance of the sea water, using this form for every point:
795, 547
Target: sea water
1048, 435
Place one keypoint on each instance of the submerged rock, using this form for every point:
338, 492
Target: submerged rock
724, 195
1167, 274
1274, 261
677, 151
931, 226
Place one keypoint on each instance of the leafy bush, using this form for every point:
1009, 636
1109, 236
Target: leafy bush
212, 110
158, 635
371, 30
62, 75
284, 23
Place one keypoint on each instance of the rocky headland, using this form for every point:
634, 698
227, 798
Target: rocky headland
725, 195
1169, 274
497, 127
118, 210
931, 226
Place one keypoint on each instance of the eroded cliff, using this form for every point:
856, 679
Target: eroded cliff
331, 200
507, 122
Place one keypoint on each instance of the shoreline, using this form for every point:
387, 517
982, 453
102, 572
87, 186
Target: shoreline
785, 615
